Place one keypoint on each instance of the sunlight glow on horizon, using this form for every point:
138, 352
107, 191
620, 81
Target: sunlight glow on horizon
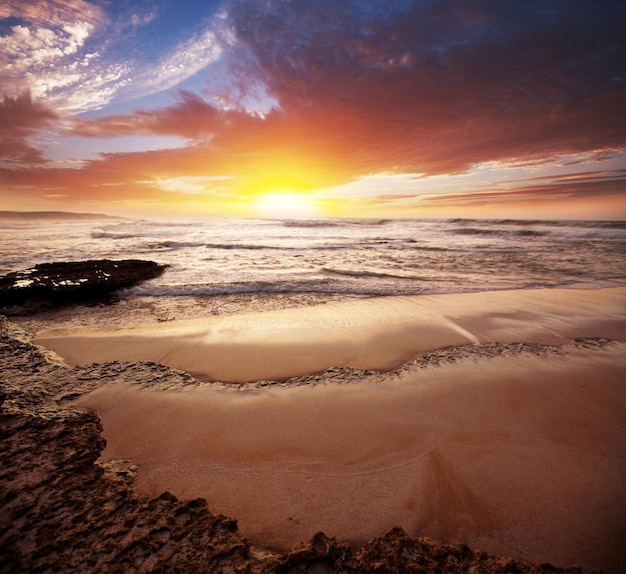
286, 204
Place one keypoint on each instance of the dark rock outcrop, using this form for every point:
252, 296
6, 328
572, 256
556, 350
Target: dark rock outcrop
50, 284
63, 513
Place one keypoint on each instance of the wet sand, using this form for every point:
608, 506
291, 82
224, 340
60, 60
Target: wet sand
378, 333
520, 455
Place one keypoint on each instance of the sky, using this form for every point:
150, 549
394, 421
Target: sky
312, 108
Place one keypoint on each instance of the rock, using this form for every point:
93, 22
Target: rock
396, 551
63, 513
49, 284
320, 555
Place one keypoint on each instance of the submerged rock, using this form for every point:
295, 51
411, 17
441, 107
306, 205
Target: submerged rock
50, 284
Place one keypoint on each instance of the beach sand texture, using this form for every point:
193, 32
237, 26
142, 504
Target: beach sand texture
377, 333
518, 455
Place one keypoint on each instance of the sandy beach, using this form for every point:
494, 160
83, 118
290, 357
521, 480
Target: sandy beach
375, 333
509, 438
312, 287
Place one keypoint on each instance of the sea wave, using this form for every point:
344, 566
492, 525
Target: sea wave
500, 232
341, 244
318, 285
112, 235
368, 222
215, 289
310, 223
334, 222
362, 257
541, 222
516, 222
612, 224
245, 246
378, 274
166, 244
531, 233
155, 223
476, 231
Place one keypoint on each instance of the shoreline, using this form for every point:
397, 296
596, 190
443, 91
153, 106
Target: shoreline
150, 309
537, 387
370, 334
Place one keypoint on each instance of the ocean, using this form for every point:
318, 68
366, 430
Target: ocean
355, 257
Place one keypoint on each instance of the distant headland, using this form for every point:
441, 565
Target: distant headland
54, 215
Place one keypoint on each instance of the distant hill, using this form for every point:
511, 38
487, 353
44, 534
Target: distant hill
56, 215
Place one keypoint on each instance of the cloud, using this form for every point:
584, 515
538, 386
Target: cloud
50, 53
138, 20
26, 53
191, 117
71, 53
21, 118
350, 89
428, 89
185, 60
52, 12
406, 87
581, 186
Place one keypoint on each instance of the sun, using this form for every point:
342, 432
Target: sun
286, 205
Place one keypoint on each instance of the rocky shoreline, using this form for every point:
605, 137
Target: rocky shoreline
63, 511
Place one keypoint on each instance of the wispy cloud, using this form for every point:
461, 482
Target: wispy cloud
66, 52
185, 60
49, 54
558, 189
54, 13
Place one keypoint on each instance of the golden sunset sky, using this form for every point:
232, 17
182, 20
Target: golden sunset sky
309, 108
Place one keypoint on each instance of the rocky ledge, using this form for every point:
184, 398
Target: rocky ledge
63, 511
50, 284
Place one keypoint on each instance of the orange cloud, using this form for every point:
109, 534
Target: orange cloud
190, 117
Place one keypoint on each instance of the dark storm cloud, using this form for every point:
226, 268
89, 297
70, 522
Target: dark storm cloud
445, 85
